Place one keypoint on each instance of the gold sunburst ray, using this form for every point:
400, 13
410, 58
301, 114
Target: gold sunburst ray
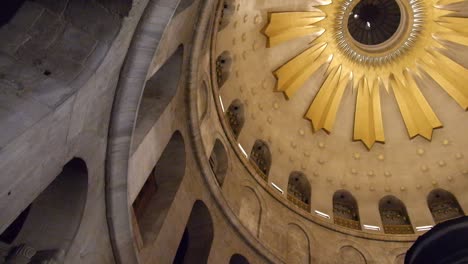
420, 51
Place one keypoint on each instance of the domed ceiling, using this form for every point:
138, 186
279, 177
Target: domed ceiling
367, 96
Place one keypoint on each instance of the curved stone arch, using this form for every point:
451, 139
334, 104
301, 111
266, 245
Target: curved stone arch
219, 161
296, 258
345, 242
145, 44
268, 256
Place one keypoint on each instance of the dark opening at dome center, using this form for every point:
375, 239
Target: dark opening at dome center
372, 22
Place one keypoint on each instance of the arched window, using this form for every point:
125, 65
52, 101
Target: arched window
46, 229
219, 161
226, 13
299, 190
394, 216
238, 259
195, 244
345, 210
158, 93
157, 194
443, 205
235, 115
223, 68
261, 158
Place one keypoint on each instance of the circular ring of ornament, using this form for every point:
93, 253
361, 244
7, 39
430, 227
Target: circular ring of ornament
370, 46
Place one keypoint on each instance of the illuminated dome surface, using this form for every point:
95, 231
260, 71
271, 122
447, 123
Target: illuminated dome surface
376, 112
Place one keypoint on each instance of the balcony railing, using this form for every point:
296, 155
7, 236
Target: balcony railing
398, 229
259, 172
352, 224
298, 203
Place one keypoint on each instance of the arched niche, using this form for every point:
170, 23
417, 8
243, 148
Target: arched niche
250, 212
395, 219
223, 68
155, 198
159, 91
443, 205
195, 245
236, 117
238, 259
298, 245
219, 161
299, 192
261, 158
351, 255
183, 5
202, 100
345, 210
45, 230
48, 50
227, 11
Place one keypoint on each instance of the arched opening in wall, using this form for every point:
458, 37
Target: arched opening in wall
236, 117
202, 101
298, 248
159, 91
48, 50
260, 156
238, 259
227, 11
223, 68
219, 161
394, 216
195, 245
46, 228
299, 190
443, 206
183, 4
250, 211
350, 255
345, 210
155, 198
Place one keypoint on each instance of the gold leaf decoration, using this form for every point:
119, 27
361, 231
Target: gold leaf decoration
417, 50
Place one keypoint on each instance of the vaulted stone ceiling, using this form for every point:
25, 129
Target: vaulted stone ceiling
374, 125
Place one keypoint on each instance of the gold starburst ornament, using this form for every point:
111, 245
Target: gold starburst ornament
374, 46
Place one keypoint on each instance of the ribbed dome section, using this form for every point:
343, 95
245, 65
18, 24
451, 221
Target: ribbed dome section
374, 21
